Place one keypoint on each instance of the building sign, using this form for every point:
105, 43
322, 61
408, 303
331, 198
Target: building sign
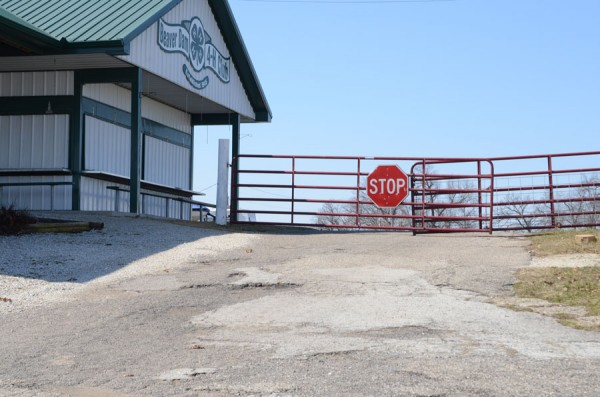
190, 39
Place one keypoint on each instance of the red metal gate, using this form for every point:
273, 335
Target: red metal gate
446, 194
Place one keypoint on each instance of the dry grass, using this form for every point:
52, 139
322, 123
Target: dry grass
579, 286
574, 290
563, 242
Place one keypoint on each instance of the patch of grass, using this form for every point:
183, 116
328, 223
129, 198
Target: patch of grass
13, 221
568, 286
563, 242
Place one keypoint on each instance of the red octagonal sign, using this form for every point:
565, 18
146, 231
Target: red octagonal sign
387, 186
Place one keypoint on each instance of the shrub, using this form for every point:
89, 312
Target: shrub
13, 221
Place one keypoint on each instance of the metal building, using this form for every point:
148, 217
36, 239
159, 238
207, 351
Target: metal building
98, 100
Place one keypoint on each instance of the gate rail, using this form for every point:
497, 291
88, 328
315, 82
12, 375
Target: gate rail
446, 194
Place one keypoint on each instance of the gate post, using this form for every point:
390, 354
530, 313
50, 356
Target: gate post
235, 153
293, 187
479, 193
412, 200
551, 192
358, 193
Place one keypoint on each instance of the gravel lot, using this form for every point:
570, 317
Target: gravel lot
149, 308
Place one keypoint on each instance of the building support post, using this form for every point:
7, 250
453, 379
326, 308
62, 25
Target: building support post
136, 142
235, 152
76, 142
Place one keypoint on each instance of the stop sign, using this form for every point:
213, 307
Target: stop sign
387, 186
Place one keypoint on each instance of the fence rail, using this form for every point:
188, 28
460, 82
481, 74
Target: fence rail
445, 195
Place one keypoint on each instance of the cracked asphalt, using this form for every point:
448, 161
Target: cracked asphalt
296, 314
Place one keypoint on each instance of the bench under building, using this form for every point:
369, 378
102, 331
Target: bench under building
98, 100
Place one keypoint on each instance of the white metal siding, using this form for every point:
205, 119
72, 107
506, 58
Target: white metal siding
153, 205
166, 115
166, 164
36, 197
39, 141
120, 98
107, 147
95, 196
157, 206
110, 94
36, 83
146, 53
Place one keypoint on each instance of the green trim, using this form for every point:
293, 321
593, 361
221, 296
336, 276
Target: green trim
212, 119
37, 36
25, 35
113, 115
150, 21
76, 142
111, 47
27, 105
28, 39
38, 105
103, 176
36, 172
136, 143
241, 58
104, 112
108, 75
22, 34
167, 134
263, 116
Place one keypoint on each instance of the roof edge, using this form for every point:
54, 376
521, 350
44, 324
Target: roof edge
24, 33
237, 48
149, 21
111, 47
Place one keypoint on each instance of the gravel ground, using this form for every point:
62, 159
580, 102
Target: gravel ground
38, 269
149, 308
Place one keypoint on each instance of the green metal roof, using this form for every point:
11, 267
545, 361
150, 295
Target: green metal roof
108, 26
83, 21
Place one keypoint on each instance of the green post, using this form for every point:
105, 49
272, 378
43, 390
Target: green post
76, 143
136, 142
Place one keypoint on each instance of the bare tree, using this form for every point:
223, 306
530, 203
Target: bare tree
459, 194
584, 208
371, 215
519, 211
592, 194
332, 215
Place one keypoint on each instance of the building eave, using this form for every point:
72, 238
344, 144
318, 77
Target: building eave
241, 58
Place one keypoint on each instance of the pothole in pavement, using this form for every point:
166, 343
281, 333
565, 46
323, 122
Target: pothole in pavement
254, 277
408, 332
185, 373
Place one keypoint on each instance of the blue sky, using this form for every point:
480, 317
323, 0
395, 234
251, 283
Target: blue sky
463, 78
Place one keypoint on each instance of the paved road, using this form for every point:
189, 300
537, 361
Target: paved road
298, 314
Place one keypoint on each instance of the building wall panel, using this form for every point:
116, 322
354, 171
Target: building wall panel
36, 198
95, 196
120, 98
166, 115
157, 206
36, 83
107, 147
39, 141
145, 52
166, 164
110, 94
